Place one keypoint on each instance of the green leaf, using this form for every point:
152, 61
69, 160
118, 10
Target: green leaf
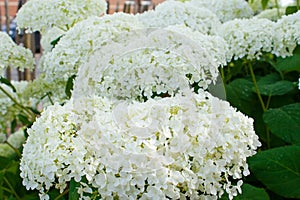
69, 86
291, 63
284, 122
278, 169
54, 42
8, 83
240, 95
291, 10
73, 194
23, 119
4, 162
253, 193
272, 85
264, 4
13, 125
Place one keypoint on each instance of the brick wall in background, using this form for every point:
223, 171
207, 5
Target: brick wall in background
12, 7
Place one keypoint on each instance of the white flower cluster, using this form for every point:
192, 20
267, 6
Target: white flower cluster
176, 13
250, 38
177, 147
157, 62
84, 38
41, 15
13, 55
289, 25
226, 9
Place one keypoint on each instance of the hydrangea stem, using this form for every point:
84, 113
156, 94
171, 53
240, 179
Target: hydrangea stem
256, 87
277, 7
264, 107
62, 194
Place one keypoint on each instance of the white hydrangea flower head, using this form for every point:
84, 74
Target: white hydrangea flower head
84, 38
289, 27
148, 63
226, 9
250, 38
13, 55
176, 13
173, 147
42, 15
53, 154
50, 36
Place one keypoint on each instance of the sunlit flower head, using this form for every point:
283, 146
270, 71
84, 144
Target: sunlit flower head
149, 63
187, 146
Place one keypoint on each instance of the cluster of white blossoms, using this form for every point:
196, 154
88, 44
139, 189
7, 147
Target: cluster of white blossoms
250, 38
226, 10
176, 13
84, 38
157, 62
13, 55
191, 145
289, 25
41, 15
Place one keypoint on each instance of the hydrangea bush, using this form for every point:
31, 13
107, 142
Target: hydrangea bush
141, 99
